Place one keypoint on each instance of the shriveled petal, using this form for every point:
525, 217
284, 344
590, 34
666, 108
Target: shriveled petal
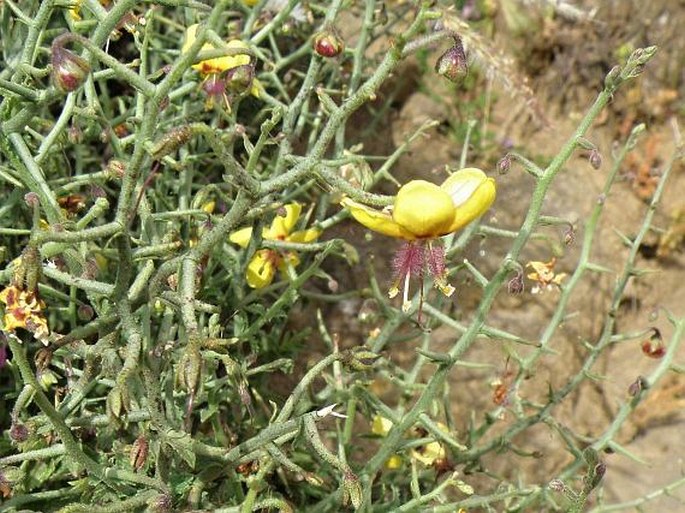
472, 193
241, 237
261, 269
376, 220
304, 236
281, 226
424, 209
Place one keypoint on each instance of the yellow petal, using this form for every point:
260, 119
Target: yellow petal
281, 226
472, 194
218, 64
376, 220
241, 237
394, 462
304, 236
380, 425
428, 453
424, 209
261, 269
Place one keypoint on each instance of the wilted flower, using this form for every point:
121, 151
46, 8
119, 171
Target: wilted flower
262, 267
24, 309
543, 273
422, 212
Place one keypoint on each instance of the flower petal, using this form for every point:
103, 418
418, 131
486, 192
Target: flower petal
424, 209
304, 236
281, 226
261, 269
472, 193
218, 64
376, 220
241, 237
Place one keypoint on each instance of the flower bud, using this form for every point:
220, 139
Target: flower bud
85, 312
595, 158
570, 236
452, 64
69, 70
352, 490
238, 80
19, 432
516, 285
504, 164
359, 359
328, 44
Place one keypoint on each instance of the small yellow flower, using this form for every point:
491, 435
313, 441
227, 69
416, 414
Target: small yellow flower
218, 64
24, 309
423, 210
262, 268
427, 454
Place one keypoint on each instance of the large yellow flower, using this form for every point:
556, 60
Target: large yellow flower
423, 210
262, 268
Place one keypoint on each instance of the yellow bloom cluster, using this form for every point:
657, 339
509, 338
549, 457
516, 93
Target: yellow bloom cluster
423, 210
262, 268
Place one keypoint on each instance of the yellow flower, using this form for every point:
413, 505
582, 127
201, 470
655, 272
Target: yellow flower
24, 309
423, 210
75, 10
262, 268
218, 64
427, 454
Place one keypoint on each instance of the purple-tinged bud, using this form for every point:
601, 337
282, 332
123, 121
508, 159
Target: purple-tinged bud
19, 432
69, 70
85, 312
595, 159
504, 164
638, 386
516, 285
452, 64
328, 44
31, 199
